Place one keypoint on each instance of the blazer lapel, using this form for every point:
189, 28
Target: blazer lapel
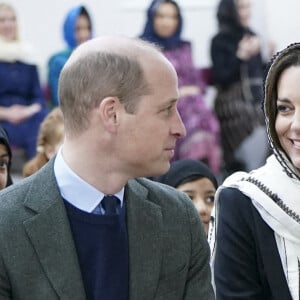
145, 224
51, 236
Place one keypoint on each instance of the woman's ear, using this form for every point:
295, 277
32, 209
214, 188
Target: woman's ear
108, 111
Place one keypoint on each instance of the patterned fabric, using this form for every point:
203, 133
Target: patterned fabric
239, 92
238, 118
111, 205
98, 210
202, 139
273, 192
275, 196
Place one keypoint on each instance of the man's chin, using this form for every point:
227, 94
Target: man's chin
164, 168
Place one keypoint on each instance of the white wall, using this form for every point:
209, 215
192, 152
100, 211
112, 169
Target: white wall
41, 22
283, 21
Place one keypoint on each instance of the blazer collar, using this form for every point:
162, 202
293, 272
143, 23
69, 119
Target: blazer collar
50, 234
145, 225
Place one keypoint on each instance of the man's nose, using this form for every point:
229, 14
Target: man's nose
178, 127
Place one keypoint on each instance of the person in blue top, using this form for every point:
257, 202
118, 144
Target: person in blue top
22, 105
77, 29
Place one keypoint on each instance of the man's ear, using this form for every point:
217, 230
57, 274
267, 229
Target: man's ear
108, 112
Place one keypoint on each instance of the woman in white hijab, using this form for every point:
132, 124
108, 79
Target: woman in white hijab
256, 235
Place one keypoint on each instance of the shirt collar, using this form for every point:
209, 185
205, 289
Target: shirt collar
74, 189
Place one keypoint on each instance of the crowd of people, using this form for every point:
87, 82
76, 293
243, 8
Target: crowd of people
227, 137
135, 187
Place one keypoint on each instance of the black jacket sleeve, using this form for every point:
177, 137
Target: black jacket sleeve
225, 63
247, 262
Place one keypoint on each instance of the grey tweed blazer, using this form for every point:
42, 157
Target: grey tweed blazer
168, 252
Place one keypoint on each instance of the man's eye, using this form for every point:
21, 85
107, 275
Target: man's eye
169, 109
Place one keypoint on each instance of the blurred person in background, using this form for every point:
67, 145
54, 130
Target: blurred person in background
194, 178
5, 160
237, 71
77, 28
50, 138
163, 27
22, 106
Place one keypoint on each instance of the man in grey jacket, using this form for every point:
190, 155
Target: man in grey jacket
57, 238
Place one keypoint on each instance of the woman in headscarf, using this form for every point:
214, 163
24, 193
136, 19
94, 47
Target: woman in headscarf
256, 238
163, 27
77, 28
5, 160
237, 71
194, 178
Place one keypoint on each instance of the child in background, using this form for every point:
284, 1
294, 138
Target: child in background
50, 137
196, 180
5, 160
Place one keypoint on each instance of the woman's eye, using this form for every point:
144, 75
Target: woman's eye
282, 108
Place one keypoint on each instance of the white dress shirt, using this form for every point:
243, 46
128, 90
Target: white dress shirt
75, 190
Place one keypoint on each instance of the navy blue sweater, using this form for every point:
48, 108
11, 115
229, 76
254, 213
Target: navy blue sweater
102, 248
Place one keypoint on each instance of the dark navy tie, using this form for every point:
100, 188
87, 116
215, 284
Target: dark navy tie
111, 205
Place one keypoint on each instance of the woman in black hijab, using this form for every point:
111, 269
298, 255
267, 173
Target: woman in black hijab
5, 160
237, 70
194, 178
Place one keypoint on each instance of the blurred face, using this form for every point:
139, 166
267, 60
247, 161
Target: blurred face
4, 160
148, 136
166, 20
202, 192
244, 11
287, 123
8, 24
83, 32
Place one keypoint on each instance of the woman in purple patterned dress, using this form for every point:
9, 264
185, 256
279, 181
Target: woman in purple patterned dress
163, 27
